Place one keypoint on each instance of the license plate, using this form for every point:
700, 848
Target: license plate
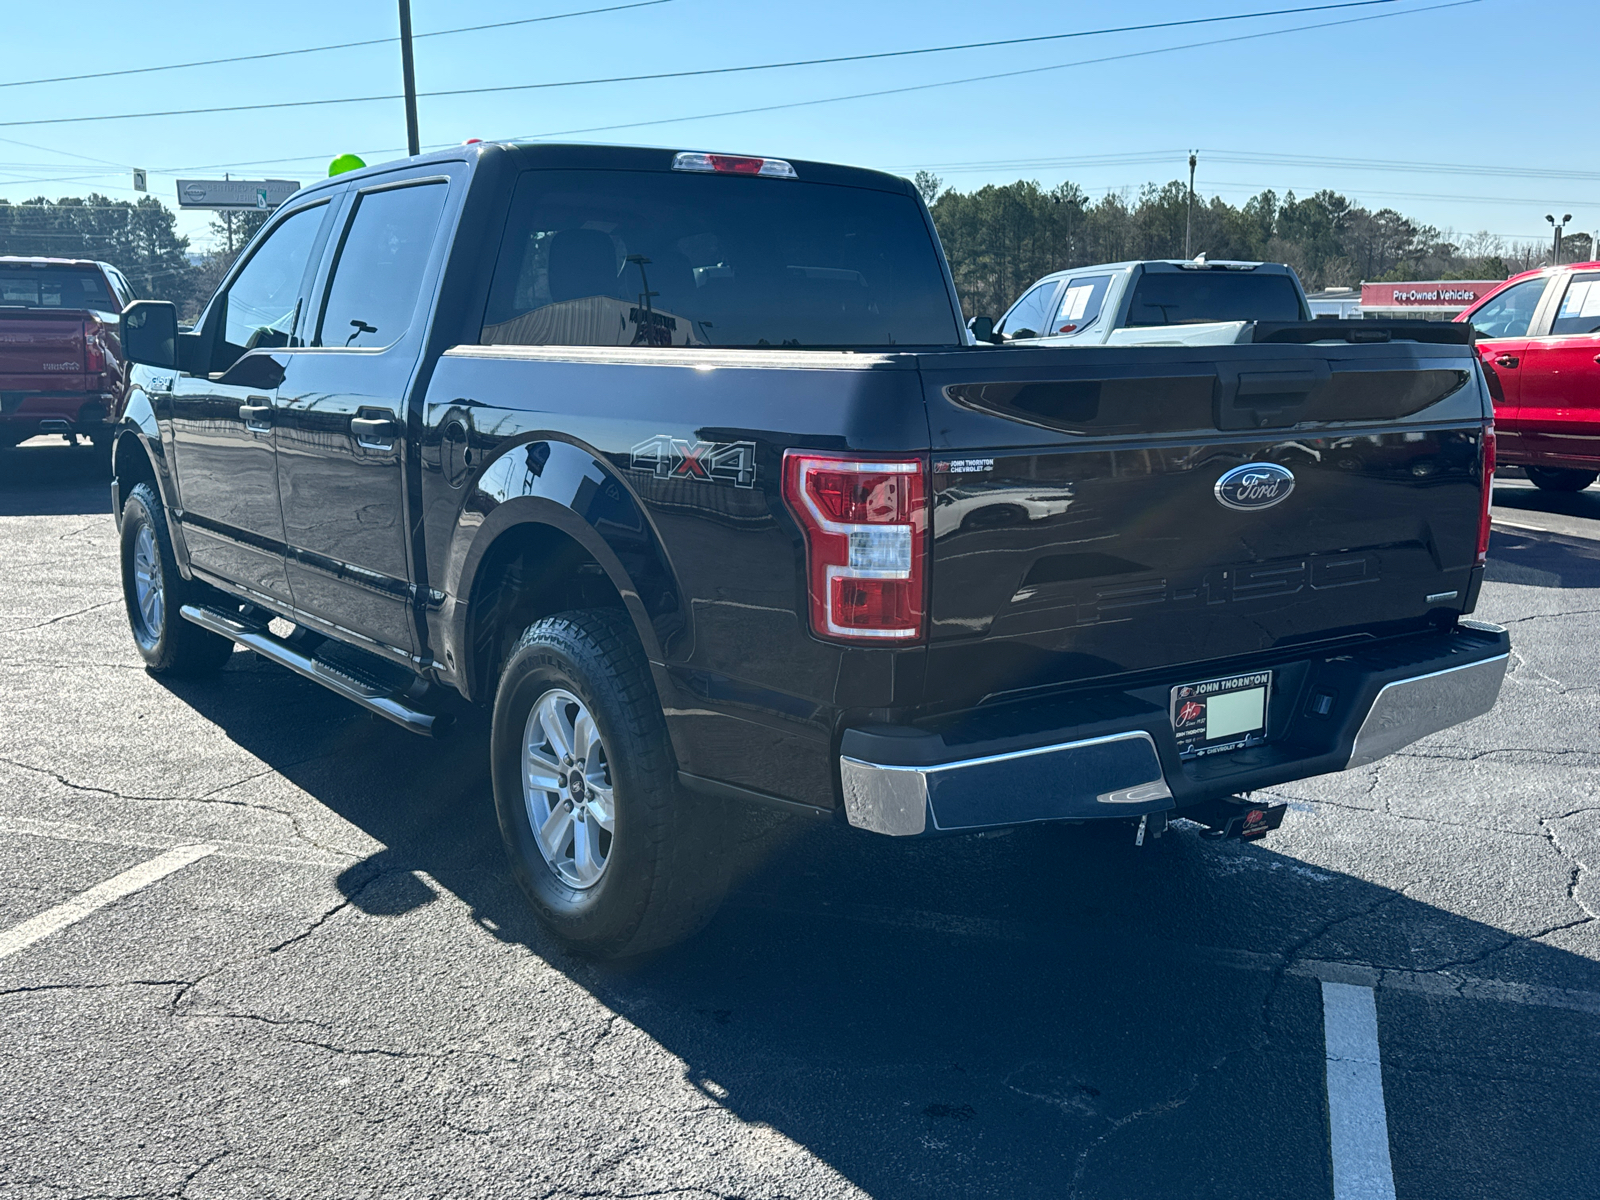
1221, 714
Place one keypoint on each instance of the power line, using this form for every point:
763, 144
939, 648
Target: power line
213, 62
809, 62
923, 87
1258, 159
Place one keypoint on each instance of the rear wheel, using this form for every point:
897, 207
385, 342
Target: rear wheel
153, 591
1553, 479
615, 856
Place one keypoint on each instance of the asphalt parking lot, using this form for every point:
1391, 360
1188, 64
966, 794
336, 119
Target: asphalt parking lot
302, 969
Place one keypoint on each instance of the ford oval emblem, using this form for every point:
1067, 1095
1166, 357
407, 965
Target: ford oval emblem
1254, 485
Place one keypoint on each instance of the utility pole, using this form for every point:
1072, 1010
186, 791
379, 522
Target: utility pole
1188, 221
413, 143
1555, 250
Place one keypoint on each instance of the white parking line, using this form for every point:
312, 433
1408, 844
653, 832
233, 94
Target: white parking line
54, 920
1357, 1121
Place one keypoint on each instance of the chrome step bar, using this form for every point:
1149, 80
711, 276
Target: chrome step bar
275, 649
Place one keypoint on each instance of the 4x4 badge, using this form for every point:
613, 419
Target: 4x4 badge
1254, 485
668, 457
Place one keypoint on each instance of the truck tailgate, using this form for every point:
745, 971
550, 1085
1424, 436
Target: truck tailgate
1083, 526
41, 351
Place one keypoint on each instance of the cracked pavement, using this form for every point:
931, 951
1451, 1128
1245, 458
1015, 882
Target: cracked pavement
349, 998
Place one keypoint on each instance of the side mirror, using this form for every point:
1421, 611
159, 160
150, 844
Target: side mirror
150, 333
983, 329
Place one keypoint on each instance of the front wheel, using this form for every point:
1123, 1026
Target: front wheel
153, 591
1553, 479
615, 856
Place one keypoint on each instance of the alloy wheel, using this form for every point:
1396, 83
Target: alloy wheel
566, 786
149, 590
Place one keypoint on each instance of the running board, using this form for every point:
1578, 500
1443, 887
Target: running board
341, 682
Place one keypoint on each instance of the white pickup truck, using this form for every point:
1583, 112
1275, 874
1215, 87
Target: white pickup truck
1149, 303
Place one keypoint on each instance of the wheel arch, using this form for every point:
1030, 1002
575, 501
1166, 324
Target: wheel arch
559, 530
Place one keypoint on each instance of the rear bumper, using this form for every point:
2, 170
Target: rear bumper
24, 414
1328, 713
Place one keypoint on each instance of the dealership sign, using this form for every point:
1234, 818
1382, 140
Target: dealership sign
235, 193
1448, 293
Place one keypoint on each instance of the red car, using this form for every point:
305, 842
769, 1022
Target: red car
60, 357
1539, 337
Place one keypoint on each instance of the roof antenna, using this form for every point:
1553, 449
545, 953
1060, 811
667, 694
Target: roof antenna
1201, 257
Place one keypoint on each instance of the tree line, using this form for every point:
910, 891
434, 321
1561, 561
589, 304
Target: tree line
139, 238
1000, 238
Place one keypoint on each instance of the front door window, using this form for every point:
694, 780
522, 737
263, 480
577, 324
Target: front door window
1510, 313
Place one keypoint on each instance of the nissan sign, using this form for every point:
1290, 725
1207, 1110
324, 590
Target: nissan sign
235, 194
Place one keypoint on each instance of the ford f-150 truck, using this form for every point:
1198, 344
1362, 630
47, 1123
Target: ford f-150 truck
59, 365
683, 466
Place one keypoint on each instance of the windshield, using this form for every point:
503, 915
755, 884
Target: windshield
1186, 297
55, 287
639, 258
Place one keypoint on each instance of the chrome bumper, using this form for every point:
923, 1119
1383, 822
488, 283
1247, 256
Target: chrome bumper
1410, 709
1116, 775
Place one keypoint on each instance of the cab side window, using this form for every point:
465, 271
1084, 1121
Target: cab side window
1511, 312
263, 300
1580, 306
377, 279
1080, 304
1029, 316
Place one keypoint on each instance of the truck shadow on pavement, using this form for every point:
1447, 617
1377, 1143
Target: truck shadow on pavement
54, 479
1047, 1013
1543, 560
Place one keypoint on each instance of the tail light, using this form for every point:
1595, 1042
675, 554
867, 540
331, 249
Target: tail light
1488, 490
866, 527
94, 350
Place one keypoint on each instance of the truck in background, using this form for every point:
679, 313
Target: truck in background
1190, 302
61, 368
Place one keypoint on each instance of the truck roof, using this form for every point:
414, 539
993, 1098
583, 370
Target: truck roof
584, 156
32, 260
1228, 264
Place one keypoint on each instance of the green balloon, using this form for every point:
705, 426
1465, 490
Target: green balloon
345, 162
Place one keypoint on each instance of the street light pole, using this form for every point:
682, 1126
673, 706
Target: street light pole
1555, 249
413, 143
1188, 221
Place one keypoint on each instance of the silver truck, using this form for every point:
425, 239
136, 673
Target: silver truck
1163, 302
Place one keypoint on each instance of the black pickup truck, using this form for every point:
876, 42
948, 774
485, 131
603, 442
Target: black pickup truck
685, 466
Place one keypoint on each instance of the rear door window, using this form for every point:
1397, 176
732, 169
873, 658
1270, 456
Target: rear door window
649, 258
1580, 306
1080, 304
1030, 316
1189, 297
1511, 312
377, 278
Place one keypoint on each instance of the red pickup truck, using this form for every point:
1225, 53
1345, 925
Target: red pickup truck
1539, 338
60, 357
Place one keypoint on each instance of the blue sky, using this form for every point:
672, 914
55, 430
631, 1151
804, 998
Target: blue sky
1422, 87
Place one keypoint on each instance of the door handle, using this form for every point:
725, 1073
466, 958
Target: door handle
1507, 360
257, 414
376, 433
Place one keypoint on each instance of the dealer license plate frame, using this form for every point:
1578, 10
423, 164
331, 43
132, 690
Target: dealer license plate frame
1192, 729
